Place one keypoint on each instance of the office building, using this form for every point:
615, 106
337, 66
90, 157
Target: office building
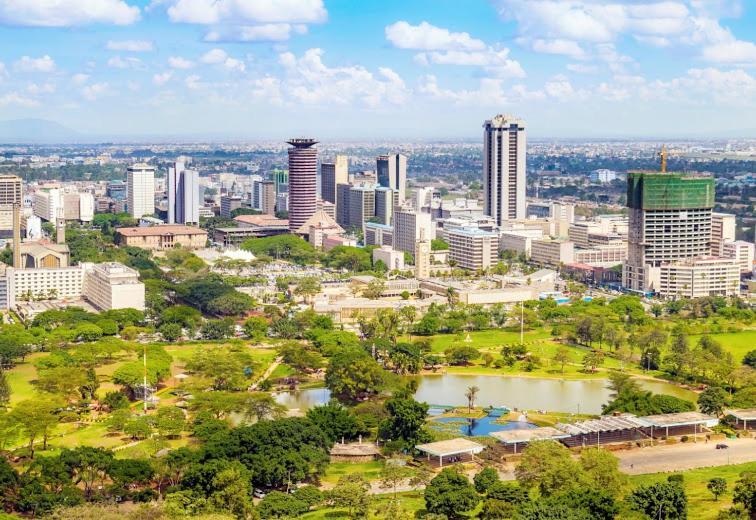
183, 195
546, 251
268, 197
699, 277
722, 230
48, 203
409, 226
331, 175
504, 145
670, 220
391, 172
116, 190
385, 201
472, 248
361, 205
377, 234
228, 204
303, 181
740, 251
140, 195
112, 285
11, 192
391, 258
342, 204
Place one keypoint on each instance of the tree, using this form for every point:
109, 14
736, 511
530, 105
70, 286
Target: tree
256, 328
562, 357
717, 486
622, 383
549, 466
5, 390
36, 418
336, 421
439, 245
450, 493
461, 355
227, 368
663, 500
745, 492
352, 493
601, 470
307, 287
712, 401
170, 331
232, 303
592, 360
281, 505
406, 422
63, 381
169, 421
374, 289
393, 475
218, 329
750, 359
470, 394
353, 375
484, 479
260, 406
509, 492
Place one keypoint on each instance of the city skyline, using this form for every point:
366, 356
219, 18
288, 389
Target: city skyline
271, 69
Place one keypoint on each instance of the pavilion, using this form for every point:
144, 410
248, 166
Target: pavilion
743, 416
683, 423
452, 450
512, 439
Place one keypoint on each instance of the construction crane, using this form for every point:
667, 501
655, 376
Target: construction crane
665, 154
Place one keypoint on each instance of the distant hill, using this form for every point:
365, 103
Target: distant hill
33, 131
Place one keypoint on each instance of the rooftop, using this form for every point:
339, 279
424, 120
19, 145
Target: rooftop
744, 414
679, 419
166, 229
302, 142
529, 435
450, 447
261, 220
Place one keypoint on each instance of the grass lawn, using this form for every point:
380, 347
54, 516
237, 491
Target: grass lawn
486, 340
701, 504
739, 343
336, 470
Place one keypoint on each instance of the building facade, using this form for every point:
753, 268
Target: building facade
303, 181
112, 285
391, 172
699, 277
504, 144
409, 226
183, 195
158, 238
472, 248
140, 194
332, 174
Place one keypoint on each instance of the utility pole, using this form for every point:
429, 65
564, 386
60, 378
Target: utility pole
144, 363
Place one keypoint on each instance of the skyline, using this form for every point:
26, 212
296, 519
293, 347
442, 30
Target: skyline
233, 69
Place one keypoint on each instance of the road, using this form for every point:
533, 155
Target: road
657, 459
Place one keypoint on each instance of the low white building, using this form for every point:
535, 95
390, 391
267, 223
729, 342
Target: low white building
699, 277
740, 251
113, 286
552, 252
392, 258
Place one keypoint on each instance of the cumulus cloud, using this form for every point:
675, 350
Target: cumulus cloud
427, 37
66, 13
177, 62
494, 62
130, 45
95, 91
558, 46
14, 98
79, 78
118, 62
36, 89
29, 64
581, 68
308, 80
737, 51
162, 78
236, 12
220, 57
270, 32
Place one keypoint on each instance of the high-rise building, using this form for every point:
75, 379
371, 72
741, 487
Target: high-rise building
11, 193
331, 175
268, 197
140, 195
391, 171
228, 204
46, 204
183, 195
303, 181
361, 205
670, 220
342, 204
472, 248
384, 204
722, 230
409, 226
504, 180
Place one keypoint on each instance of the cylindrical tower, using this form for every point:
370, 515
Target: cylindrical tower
303, 181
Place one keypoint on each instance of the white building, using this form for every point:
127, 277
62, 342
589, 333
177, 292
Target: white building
48, 203
699, 277
722, 230
140, 195
113, 286
603, 175
472, 248
392, 258
552, 252
504, 145
409, 227
183, 195
740, 251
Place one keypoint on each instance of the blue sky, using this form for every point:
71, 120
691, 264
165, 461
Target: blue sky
384, 69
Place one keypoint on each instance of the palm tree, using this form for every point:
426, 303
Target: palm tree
471, 394
451, 296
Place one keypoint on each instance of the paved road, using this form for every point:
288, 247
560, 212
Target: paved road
678, 457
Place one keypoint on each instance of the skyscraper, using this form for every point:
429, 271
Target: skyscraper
183, 195
409, 226
268, 197
669, 220
10, 194
332, 174
391, 171
303, 181
504, 168
140, 195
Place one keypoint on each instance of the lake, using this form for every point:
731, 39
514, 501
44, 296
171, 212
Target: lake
527, 393
479, 427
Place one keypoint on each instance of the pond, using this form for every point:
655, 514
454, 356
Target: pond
528, 393
480, 427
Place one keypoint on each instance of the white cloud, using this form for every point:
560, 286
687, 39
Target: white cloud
162, 78
29, 64
214, 56
3, 70
95, 91
245, 12
118, 62
427, 37
582, 68
234, 64
130, 45
65, 13
495, 62
271, 32
193, 82
80, 78
738, 51
177, 62
14, 98
560, 88
36, 89
308, 80
490, 92
558, 46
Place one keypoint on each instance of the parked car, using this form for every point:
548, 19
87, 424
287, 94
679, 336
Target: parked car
722, 446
